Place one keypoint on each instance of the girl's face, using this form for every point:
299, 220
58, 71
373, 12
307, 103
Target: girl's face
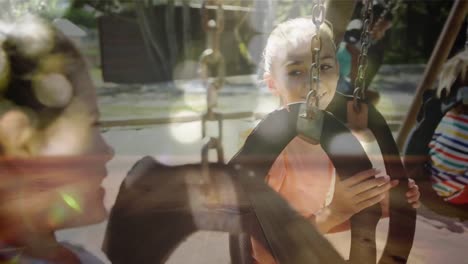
57, 181
289, 78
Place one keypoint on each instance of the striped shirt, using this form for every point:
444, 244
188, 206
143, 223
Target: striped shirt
449, 155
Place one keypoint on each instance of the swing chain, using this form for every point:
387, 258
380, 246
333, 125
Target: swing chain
318, 12
212, 73
210, 143
318, 18
360, 83
310, 121
212, 66
218, 19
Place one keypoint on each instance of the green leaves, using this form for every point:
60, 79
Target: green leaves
47, 8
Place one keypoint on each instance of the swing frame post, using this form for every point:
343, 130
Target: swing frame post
438, 57
339, 13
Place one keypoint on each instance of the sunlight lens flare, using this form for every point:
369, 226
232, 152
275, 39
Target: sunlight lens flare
71, 202
185, 133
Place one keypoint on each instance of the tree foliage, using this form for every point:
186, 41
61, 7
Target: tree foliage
417, 24
416, 27
46, 8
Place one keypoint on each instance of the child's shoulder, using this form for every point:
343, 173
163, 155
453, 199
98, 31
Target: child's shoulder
456, 117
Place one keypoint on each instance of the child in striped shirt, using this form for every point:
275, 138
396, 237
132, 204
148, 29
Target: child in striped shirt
449, 145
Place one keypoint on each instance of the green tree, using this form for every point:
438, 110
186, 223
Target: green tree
46, 8
416, 28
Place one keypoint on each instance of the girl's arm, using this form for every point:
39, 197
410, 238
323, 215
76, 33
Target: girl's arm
356, 193
351, 196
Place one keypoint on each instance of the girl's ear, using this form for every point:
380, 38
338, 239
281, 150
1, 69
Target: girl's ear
15, 133
270, 83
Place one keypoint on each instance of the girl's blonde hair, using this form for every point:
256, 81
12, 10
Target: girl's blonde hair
291, 33
453, 73
32, 49
41, 71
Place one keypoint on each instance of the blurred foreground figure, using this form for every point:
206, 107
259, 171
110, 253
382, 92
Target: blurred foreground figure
52, 155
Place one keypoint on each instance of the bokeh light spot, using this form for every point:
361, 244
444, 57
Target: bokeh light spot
70, 201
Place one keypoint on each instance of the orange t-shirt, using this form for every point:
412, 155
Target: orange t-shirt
303, 175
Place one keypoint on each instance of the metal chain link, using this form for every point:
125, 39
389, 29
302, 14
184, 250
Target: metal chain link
360, 83
212, 73
219, 15
318, 18
212, 66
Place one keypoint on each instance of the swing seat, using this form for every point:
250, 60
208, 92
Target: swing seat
159, 206
404, 219
416, 154
272, 135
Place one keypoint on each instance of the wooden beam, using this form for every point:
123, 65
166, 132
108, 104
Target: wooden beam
439, 56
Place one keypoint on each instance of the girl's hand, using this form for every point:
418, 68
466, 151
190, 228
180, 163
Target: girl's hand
351, 196
413, 194
358, 192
